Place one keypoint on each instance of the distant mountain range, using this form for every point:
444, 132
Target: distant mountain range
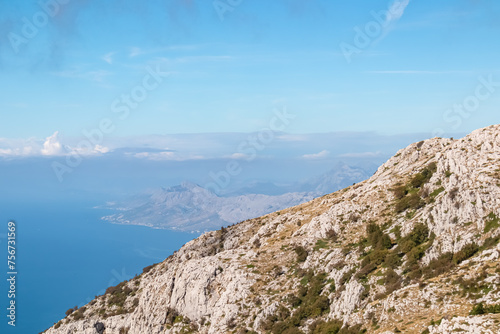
190, 207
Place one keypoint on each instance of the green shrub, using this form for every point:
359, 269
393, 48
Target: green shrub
322, 327
407, 196
365, 271
392, 281
416, 237
147, 269
438, 266
334, 327
400, 192
309, 302
71, 310
377, 238
123, 330
424, 176
118, 294
406, 245
490, 242
415, 255
392, 260
301, 253
477, 309
419, 234
78, 315
466, 252
412, 201
346, 277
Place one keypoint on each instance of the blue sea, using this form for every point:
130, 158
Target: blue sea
66, 256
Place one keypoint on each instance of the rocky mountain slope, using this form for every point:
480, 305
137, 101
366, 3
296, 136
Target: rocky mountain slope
189, 207
413, 249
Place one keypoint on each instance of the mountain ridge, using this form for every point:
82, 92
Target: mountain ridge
190, 207
414, 249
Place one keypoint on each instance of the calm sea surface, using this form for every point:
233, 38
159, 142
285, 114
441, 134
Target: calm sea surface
66, 255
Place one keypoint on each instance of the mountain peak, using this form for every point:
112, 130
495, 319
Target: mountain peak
415, 248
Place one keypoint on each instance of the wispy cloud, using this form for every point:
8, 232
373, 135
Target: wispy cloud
108, 57
292, 138
166, 155
91, 75
191, 59
419, 72
137, 51
321, 155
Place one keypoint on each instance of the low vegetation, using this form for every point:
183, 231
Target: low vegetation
407, 196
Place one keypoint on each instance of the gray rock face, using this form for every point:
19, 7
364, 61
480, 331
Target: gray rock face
240, 277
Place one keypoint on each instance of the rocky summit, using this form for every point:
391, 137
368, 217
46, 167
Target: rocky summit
413, 249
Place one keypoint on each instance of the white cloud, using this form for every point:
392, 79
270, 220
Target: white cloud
101, 149
52, 146
86, 150
314, 156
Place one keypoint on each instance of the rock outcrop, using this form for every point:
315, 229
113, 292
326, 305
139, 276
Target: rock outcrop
413, 249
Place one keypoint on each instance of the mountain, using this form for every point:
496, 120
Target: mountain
339, 177
413, 249
189, 207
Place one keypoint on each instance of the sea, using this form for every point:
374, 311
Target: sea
65, 255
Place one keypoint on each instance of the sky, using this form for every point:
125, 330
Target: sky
76, 69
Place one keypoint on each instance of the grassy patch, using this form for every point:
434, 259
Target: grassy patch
491, 222
320, 244
436, 192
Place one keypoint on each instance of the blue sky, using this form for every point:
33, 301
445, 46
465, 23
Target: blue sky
231, 66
